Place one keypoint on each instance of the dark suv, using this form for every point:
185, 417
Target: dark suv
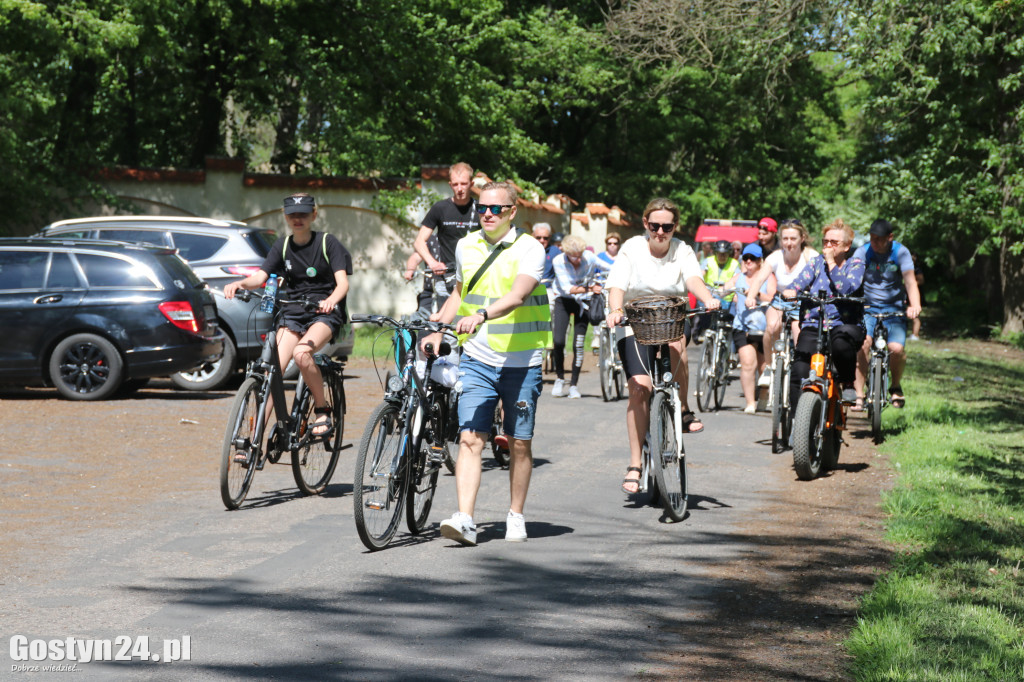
91, 317
220, 251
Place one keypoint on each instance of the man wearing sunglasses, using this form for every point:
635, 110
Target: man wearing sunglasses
451, 219
768, 235
504, 325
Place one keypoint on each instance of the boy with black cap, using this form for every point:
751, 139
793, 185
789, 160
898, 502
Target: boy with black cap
889, 283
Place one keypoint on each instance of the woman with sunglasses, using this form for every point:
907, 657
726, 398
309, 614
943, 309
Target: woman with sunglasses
834, 273
656, 263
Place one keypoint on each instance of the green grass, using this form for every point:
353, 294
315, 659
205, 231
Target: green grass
952, 605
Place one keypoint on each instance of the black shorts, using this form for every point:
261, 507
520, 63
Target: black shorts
741, 338
299, 320
639, 359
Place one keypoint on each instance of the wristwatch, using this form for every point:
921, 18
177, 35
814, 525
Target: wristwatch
482, 312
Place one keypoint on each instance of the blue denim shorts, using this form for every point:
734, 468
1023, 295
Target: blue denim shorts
896, 326
482, 386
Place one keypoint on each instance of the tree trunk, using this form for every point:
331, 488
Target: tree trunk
1011, 270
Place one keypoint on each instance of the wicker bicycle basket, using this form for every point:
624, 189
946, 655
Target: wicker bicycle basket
657, 319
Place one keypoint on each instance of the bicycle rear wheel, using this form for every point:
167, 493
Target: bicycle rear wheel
667, 458
779, 408
380, 481
876, 398
607, 367
241, 437
314, 461
706, 373
808, 435
422, 486
721, 371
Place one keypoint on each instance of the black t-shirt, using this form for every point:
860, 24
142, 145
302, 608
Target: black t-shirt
451, 223
305, 270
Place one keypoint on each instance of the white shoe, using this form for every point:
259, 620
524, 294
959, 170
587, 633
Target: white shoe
574, 392
460, 528
515, 527
558, 390
750, 409
766, 378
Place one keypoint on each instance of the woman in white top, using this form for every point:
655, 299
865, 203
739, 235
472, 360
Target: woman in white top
575, 270
655, 263
785, 264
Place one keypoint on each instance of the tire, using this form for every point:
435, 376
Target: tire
86, 367
607, 367
779, 407
876, 399
706, 375
235, 478
668, 461
620, 383
378, 495
721, 375
500, 453
832, 439
808, 439
314, 461
419, 497
210, 375
452, 439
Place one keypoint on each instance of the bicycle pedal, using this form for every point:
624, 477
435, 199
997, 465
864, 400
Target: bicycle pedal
437, 454
376, 506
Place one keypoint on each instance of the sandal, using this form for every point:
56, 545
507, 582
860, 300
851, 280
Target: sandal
635, 481
858, 405
326, 425
896, 398
689, 419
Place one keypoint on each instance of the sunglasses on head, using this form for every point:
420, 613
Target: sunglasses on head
661, 227
496, 209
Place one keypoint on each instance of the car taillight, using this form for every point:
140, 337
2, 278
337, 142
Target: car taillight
181, 315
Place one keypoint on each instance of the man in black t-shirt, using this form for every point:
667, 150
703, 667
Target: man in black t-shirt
451, 219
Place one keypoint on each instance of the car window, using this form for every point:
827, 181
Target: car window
179, 270
137, 236
261, 241
107, 271
62, 273
193, 247
72, 234
22, 269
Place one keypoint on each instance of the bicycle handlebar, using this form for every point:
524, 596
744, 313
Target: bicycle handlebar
410, 325
306, 302
884, 316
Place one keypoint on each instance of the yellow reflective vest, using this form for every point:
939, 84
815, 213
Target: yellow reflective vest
716, 276
528, 327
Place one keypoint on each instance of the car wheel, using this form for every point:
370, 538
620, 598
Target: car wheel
210, 375
85, 367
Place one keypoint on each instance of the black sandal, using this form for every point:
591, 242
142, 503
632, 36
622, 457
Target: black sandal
324, 411
689, 418
636, 480
897, 398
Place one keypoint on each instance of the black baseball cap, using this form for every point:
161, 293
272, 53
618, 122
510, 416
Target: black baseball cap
302, 203
881, 228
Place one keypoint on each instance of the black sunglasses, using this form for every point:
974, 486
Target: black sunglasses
544, 238
749, 257
611, 243
661, 227
496, 209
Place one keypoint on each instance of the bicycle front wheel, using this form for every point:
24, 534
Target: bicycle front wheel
419, 497
315, 458
808, 435
378, 489
241, 438
667, 458
721, 371
706, 374
779, 408
876, 396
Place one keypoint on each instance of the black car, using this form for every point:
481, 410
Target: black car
91, 317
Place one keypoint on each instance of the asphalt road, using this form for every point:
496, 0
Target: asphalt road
283, 588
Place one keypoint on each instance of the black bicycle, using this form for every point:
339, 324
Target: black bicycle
405, 443
244, 452
878, 374
778, 398
715, 361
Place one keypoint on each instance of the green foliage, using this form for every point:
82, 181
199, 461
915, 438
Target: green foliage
950, 607
400, 203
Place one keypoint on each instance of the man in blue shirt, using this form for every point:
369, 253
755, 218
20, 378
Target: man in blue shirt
889, 285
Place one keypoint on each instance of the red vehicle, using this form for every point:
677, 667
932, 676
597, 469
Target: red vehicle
714, 229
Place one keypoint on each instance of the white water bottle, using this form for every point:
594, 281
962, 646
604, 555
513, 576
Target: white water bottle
269, 294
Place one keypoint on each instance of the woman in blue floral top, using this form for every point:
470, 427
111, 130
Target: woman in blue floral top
834, 273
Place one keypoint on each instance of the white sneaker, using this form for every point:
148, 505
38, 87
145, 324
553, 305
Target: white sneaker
766, 377
459, 528
515, 527
750, 409
574, 392
558, 390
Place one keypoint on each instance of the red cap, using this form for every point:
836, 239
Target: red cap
768, 224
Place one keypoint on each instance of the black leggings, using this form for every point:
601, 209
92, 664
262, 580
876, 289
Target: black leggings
846, 341
564, 307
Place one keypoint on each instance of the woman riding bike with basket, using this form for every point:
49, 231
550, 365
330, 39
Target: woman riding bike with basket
654, 264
